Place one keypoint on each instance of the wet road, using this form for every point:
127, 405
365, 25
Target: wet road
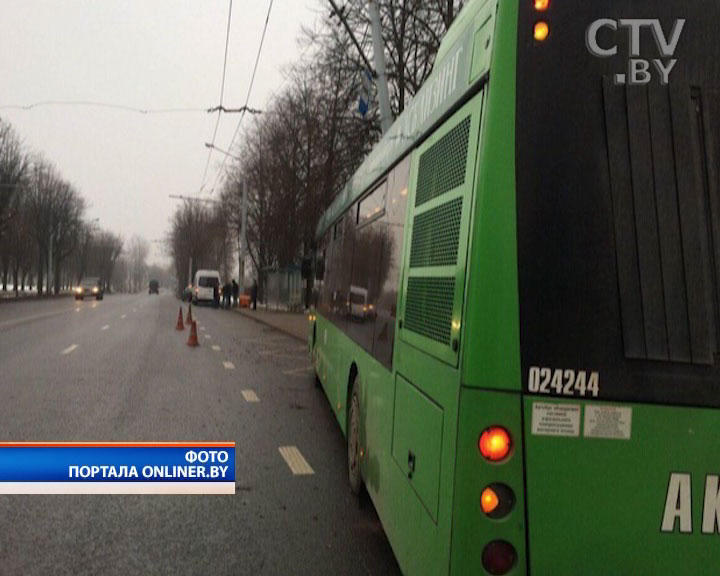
117, 370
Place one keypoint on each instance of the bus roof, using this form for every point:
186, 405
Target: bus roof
454, 72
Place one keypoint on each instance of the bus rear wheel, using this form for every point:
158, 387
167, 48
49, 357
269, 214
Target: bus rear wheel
354, 475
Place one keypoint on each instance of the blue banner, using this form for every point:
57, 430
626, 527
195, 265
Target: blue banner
94, 462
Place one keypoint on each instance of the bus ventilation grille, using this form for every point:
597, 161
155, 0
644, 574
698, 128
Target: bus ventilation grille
443, 166
435, 236
429, 307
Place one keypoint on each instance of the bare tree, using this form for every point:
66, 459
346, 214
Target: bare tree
13, 168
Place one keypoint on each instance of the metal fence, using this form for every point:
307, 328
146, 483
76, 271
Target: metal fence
284, 290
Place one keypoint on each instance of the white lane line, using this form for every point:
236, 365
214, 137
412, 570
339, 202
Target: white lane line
202, 328
207, 337
250, 396
295, 461
69, 350
216, 348
123, 316
106, 327
229, 365
134, 309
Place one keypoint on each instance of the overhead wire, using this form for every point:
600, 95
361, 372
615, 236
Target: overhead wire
222, 94
247, 98
97, 104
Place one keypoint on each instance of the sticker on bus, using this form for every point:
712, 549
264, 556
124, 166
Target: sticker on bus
556, 419
610, 422
560, 382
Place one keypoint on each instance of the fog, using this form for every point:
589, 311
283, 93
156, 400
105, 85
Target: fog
150, 55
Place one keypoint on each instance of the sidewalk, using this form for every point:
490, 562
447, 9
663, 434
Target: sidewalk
294, 324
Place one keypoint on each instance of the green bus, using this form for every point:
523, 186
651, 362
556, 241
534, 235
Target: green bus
517, 318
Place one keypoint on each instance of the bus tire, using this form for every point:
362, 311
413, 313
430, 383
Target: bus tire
354, 475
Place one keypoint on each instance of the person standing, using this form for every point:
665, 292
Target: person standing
235, 292
227, 293
216, 294
254, 294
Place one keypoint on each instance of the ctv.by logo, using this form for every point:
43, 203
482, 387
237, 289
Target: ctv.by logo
640, 70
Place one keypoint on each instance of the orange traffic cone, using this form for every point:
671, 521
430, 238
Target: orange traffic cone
179, 326
189, 316
193, 339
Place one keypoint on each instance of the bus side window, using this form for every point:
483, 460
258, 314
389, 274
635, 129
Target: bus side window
391, 262
367, 269
326, 287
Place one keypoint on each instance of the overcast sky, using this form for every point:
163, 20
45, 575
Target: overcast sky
146, 54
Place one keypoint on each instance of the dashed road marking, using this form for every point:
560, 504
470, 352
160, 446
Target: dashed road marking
207, 337
134, 309
216, 348
106, 327
123, 316
202, 328
295, 461
250, 396
229, 365
69, 350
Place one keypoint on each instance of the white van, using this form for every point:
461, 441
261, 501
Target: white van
204, 285
358, 302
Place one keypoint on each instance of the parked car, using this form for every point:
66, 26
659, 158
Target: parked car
154, 287
204, 285
91, 287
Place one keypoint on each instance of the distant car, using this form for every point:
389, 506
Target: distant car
154, 287
91, 287
204, 285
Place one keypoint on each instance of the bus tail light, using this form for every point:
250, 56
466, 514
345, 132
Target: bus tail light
542, 5
499, 557
489, 500
497, 501
541, 31
495, 444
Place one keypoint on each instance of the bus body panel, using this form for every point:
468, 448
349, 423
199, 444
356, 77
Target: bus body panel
420, 544
597, 504
472, 530
491, 340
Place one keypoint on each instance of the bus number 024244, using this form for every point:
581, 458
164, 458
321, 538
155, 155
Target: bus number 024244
563, 382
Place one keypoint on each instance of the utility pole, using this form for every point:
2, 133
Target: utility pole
378, 71
386, 118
